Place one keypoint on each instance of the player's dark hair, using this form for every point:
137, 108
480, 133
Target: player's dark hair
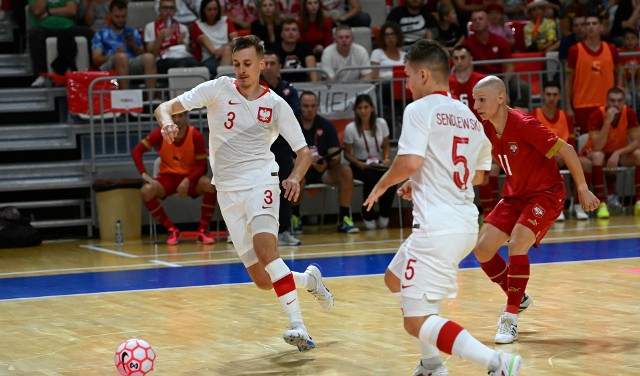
615, 90
462, 47
552, 83
204, 4
272, 52
372, 120
433, 55
117, 4
307, 92
248, 41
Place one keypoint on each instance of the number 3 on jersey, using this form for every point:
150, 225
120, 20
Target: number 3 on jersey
231, 116
461, 182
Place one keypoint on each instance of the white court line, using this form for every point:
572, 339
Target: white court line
110, 251
170, 264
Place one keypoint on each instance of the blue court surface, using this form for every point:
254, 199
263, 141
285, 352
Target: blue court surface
342, 266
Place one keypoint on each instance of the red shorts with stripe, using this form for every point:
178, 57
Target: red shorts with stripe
536, 213
170, 183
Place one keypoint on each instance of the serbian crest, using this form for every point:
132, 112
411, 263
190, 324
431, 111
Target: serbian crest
513, 147
538, 211
264, 114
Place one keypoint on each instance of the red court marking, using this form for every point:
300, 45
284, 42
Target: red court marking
632, 270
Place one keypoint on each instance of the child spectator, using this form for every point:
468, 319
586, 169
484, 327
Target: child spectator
541, 33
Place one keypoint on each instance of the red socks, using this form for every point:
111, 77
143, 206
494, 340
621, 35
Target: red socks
497, 270
157, 212
518, 277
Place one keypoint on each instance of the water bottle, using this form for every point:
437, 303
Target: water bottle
119, 239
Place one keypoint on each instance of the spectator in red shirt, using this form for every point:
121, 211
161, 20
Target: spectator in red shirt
316, 29
485, 45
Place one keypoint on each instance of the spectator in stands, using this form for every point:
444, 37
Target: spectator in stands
630, 65
591, 66
488, 46
183, 168
466, 7
497, 24
346, 12
343, 52
57, 20
461, 83
366, 147
541, 33
210, 37
315, 27
322, 138
415, 21
268, 25
280, 148
241, 12
93, 13
186, 11
582, 7
561, 124
119, 47
168, 40
450, 33
614, 140
390, 39
295, 55
627, 16
579, 33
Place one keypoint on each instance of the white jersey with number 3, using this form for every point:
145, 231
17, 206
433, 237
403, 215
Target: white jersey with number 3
242, 131
452, 142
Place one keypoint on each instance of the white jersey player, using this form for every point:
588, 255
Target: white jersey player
444, 150
245, 117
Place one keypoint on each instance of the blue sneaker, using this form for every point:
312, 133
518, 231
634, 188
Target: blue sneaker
347, 226
298, 336
296, 222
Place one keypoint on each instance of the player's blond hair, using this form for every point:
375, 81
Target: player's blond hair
248, 41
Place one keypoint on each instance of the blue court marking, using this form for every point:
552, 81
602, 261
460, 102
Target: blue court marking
206, 275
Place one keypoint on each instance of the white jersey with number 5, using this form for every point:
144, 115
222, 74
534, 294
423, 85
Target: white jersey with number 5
452, 142
242, 131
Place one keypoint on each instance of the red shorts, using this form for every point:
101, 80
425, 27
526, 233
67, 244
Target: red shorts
170, 183
537, 213
581, 120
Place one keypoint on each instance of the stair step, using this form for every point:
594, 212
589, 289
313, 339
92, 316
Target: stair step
29, 100
62, 223
45, 204
37, 137
12, 65
43, 176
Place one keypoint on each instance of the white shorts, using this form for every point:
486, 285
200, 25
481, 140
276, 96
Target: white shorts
428, 266
240, 208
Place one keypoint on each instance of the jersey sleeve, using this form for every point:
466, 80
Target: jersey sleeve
415, 133
288, 126
204, 94
572, 57
540, 137
349, 133
595, 122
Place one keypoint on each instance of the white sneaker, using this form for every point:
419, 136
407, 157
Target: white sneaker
320, 292
369, 225
41, 81
298, 336
507, 329
509, 365
579, 212
421, 371
560, 217
285, 239
383, 222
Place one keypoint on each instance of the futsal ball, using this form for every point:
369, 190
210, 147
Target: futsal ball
134, 357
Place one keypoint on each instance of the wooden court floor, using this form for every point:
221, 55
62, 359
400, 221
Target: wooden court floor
585, 319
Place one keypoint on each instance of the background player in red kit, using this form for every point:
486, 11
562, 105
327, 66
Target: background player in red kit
532, 197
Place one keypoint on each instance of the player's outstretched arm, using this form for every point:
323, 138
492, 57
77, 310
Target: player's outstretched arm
291, 184
163, 116
587, 199
403, 167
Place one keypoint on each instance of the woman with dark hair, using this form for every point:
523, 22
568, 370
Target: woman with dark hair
315, 28
366, 147
390, 40
269, 24
210, 37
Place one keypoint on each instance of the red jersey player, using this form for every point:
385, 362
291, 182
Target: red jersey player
532, 197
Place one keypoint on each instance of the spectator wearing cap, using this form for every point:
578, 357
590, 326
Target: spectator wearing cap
541, 33
497, 24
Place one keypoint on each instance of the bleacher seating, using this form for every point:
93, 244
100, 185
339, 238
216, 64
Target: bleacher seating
140, 13
363, 36
376, 9
518, 33
532, 69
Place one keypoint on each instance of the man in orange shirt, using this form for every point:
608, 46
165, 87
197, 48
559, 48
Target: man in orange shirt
558, 122
610, 129
183, 169
591, 67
